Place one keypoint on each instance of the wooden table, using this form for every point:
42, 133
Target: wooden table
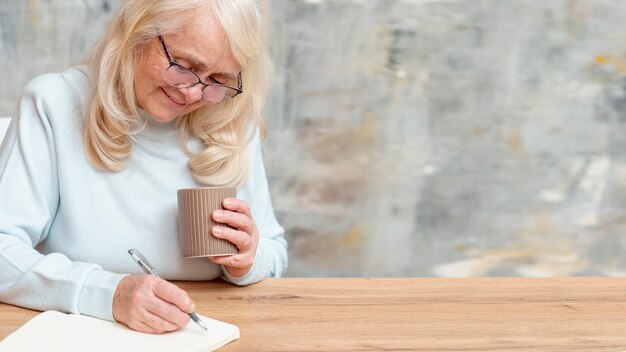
411, 314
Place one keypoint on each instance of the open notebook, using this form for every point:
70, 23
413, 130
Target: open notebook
55, 331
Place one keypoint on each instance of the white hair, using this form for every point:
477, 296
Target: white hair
225, 128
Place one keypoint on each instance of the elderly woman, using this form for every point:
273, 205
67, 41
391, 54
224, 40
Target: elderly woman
170, 98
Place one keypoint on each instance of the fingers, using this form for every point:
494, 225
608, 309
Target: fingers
237, 205
150, 323
240, 239
243, 234
238, 261
171, 293
153, 323
239, 264
150, 304
143, 327
156, 324
236, 214
165, 316
237, 220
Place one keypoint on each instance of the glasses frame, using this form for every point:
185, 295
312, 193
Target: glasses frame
173, 62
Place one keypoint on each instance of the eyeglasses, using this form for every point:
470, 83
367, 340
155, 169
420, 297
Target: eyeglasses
221, 86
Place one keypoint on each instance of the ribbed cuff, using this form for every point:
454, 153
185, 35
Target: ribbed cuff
258, 272
96, 296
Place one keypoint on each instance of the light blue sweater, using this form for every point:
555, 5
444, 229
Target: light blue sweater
65, 227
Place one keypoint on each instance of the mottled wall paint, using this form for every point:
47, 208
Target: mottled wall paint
420, 138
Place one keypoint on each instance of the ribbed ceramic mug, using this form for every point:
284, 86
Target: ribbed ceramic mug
195, 206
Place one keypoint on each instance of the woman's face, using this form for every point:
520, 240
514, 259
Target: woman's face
201, 47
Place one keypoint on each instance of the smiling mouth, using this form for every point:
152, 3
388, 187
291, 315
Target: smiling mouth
173, 99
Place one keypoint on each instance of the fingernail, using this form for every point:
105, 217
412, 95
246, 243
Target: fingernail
217, 230
218, 214
193, 307
228, 201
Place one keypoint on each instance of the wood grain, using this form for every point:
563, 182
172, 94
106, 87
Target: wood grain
411, 314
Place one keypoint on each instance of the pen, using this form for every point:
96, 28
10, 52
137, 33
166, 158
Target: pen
145, 265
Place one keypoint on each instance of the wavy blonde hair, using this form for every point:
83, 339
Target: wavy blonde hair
225, 128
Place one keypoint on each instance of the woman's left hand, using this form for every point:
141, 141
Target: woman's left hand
244, 235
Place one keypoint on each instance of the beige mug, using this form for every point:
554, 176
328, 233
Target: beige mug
195, 206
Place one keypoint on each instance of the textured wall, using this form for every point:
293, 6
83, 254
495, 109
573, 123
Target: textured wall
420, 138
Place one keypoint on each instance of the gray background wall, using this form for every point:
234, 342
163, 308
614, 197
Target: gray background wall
419, 138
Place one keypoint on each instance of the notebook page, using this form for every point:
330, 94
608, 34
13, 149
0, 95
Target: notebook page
56, 331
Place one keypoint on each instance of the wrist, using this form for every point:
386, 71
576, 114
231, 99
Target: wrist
237, 272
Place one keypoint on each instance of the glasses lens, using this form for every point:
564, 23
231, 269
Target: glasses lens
220, 89
179, 77
224, 80
215, 94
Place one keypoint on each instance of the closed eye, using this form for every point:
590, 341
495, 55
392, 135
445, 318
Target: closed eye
218, 78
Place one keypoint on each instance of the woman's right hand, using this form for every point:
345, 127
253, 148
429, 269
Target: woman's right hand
150, 304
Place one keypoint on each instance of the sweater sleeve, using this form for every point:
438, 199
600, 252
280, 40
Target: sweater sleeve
29, 198
271, 255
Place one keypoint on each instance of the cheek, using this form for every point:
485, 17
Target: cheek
153, 76
147, 80
156, 72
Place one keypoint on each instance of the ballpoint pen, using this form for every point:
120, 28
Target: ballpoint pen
145, 265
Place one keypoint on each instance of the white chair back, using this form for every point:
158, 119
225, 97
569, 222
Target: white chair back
4, 124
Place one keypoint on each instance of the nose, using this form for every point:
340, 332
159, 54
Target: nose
193, 93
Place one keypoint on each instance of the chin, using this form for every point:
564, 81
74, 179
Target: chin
161, 115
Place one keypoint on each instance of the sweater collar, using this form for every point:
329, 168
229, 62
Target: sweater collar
150, 127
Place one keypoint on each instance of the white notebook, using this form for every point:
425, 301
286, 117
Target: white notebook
56, 331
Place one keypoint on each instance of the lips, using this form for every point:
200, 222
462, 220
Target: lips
173, 99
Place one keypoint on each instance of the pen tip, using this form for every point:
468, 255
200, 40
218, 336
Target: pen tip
202, 325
